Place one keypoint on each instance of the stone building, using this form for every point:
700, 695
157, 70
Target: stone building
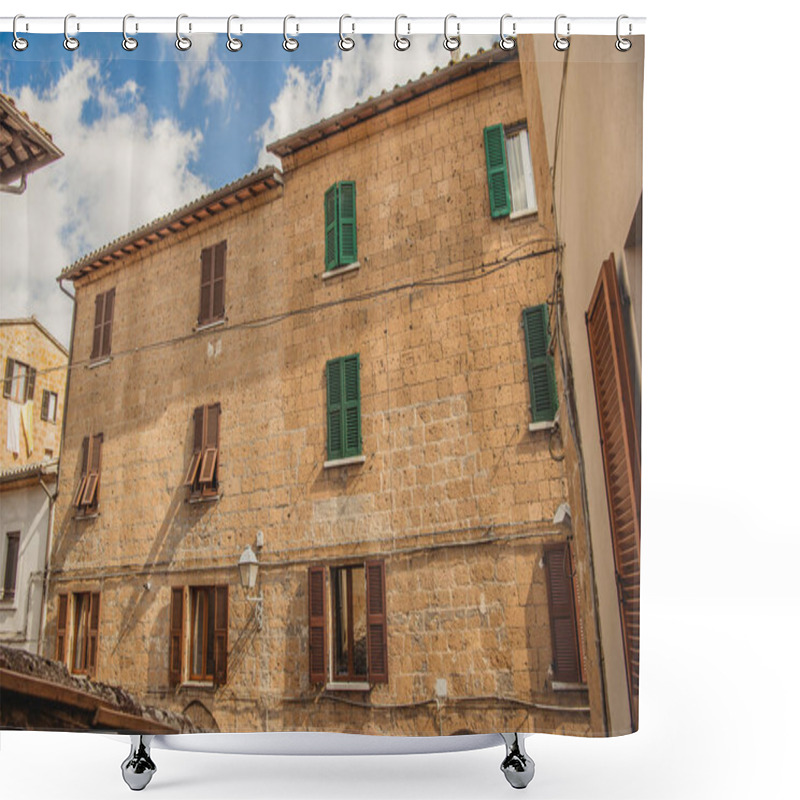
30, 416
341, 376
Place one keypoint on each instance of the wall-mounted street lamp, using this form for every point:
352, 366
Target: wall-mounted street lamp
248, 573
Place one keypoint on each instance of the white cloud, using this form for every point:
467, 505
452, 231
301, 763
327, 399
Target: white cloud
119, 171
200, 66
349, 78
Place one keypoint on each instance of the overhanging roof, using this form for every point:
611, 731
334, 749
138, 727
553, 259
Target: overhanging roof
25, 146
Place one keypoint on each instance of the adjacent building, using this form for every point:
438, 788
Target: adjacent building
319, 470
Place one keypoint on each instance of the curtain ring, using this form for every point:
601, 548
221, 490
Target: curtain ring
508, 42
128, 42
183, 43
560, 43
401, 43
70, 42
623, 45
233, 44
289, 43
19, 43
452, 42
345, 42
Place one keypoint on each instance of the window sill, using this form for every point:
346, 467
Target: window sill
212, 498
564, 686
206, 685
546, 425
208, 325
80, 517
526, 212
98, 363
347, 686
7, 604
344, 462
335, 271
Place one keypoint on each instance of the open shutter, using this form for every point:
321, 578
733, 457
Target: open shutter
348, 249
176, 636
331, 228
45, 404
61, 629
494, 140
218, 293
221, 635
620, 447
316, 625
208, 467
9, 377
12, 556
352, 406
541, 374
108, 321
94, 628
376, 622
206, 285
90, 494
77, 499
197, 448
335, 409
30, 383
563, 622
97, 336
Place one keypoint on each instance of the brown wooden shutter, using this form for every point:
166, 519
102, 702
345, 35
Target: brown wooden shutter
206, 285
218, 293
12, 556
30, 383
97, 337
94, 628
221, 635
316, 625
376, 622
92, 491
208, 466
9, 377
176, 637
61, 629
197, 448
108, 321
563, 622
45, 404
620, 446
76, 500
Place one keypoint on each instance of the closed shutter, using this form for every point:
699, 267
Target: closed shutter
61, 629
331, 228
335, 409
316, 625
30, 383
541, 373
352, 406
108, 320
176, 637
9, 377
45, 404
12, 556
221, 635
97, 336
494, 140
94, 630
376, 622
620, 446
77, 499
563, 623
218, 293
348, 250
206, 285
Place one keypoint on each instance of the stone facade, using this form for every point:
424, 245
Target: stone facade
455, 496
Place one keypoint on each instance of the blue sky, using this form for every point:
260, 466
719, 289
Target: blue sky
147, 131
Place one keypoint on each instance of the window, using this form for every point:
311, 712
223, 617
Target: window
212, 284
340, 225
19, 382
201, 477
541, 372
85, 628
103, 321
204, 638
344, 407
49, 405
564, 630
88, 491
356, 597
509, 170
10, 572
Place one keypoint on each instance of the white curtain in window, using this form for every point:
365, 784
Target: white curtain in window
520, 172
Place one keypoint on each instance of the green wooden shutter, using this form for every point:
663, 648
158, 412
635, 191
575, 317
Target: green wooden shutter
494, 140
335, 410
348, 250
352, 406
541, 373
331, 228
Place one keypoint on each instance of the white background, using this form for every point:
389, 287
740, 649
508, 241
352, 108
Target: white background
720, 603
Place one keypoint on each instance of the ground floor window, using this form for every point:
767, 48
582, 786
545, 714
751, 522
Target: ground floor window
77, 631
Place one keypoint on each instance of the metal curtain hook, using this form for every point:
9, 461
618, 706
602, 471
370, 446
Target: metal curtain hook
508, 42
289, 43
181, 42
19, 43
70, 42
345, 42
233, 44
128, 42
560, 42
623, 45
401, 42
452, 42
